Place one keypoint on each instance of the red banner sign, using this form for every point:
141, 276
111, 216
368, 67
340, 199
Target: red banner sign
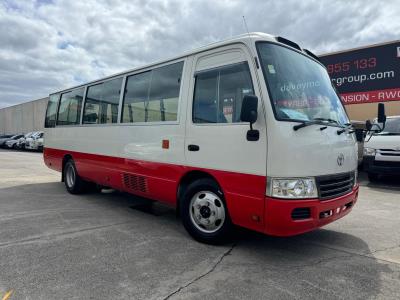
371, 96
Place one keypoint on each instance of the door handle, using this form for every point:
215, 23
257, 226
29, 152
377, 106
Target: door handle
193, 148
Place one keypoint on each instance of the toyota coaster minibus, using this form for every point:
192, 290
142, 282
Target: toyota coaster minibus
247, 131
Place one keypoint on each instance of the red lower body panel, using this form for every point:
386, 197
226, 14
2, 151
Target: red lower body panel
244, 193
278, 213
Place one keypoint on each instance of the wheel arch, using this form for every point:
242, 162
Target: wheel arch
66, 158
186, 180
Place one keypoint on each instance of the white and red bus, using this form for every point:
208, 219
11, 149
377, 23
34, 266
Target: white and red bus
248, 132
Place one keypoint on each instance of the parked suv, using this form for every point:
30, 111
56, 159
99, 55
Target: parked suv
35, 141
21, 141
382, 150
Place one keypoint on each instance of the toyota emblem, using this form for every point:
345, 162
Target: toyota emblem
340, 159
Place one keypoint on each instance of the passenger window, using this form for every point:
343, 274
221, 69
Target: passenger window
51, 112
69, 111
153, 109
136, 94
102, 100
219, 94
153, 96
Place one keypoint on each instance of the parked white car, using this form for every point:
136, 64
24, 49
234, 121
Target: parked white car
21, 142
35, 141
382, 151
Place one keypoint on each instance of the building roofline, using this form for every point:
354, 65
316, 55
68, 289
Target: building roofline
359, 48
22, 103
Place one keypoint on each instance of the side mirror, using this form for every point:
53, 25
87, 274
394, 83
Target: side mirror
381, 113
380, 120
249, 114
249, 109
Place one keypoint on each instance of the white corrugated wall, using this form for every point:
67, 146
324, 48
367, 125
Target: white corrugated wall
24, 117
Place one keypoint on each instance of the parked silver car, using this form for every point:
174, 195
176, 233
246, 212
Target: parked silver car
10, 141
5, 138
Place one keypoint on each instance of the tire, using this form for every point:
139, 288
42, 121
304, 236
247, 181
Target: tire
204, 212
73, 183
373, 177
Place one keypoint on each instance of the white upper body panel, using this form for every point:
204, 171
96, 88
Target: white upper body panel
280, 151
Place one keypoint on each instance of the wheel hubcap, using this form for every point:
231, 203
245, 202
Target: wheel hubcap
70, 176
207, 211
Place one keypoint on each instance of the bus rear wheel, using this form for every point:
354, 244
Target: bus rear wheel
204, 212
73, 183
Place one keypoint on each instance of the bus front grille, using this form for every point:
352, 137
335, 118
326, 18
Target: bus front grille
331, 186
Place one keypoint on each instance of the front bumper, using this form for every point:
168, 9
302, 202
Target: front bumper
279, 220
30, 146
384, 167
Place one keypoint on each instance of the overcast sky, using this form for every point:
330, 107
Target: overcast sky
46, 45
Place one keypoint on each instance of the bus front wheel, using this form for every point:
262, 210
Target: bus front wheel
204, 212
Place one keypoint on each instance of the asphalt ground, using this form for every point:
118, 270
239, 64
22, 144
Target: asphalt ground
110, 245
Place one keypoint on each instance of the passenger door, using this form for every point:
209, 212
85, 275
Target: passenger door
216, 138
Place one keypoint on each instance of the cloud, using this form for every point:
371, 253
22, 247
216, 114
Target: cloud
49, 45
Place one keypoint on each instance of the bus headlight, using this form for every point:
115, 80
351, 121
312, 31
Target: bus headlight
292, 188
369, 151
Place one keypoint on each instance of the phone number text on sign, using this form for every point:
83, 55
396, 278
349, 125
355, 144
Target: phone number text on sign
363, 63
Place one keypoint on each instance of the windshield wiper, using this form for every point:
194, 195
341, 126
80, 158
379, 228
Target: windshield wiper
320, 121
347, 126
327, 120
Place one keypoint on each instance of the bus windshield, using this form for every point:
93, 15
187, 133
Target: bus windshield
299, 87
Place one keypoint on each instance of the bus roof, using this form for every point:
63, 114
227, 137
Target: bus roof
247, 38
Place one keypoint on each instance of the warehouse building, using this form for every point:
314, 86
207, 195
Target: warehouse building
24, 117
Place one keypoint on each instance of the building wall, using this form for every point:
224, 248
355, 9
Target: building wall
365, 111
23, 118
